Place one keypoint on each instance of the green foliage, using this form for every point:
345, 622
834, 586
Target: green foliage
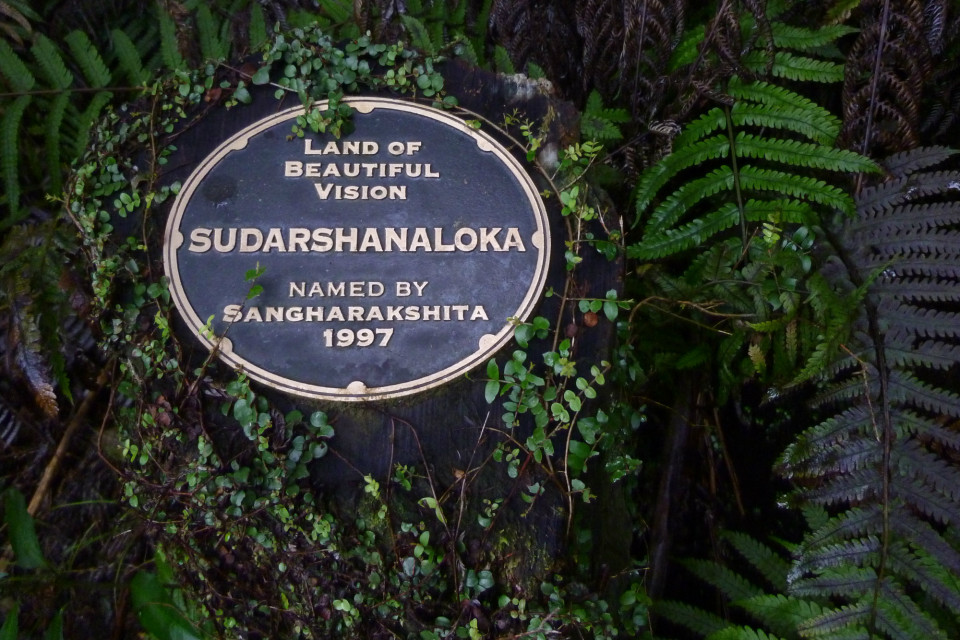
501, 60
251, 498
880, 461
758, 166
20, 531
751, 260
156, 610
21, 536
55, 91
213, 36
35, 303
435, 27
309, 65
88, 58
10, 628
744, 190
599, 123
128, 58
778, 614
169, 47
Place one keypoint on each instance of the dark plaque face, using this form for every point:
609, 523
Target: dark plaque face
392, 259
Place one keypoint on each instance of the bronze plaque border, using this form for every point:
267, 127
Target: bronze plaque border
488, 345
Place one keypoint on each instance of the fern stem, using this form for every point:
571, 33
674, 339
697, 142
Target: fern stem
886, 433
874, 86
736, 177
885, 471
54, 92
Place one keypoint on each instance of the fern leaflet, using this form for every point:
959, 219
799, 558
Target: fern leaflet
9, 154
801, 39
882, 450
14, 70
128, 58
88, 58
213, 44
793, 67
52, 65
169, 47
52, 139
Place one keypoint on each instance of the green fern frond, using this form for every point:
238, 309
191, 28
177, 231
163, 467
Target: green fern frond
802, 154
128, 58
824, 127
920, 568
683, 199
438, 32
779, 211
797, 186
258, 27
689, 235
839, 12
694, 233
464, 48
340, 11
15, 71
478, 41
457, 15
593, 128
87, 119
697, 620
169, 47
731, 584
899, 616
688, 48
742, 633
419, 36
793, 67
51, 63
88, 59
845, 580
214, 45
595, 106
53, 139
844, 623
501, 60
713, 120
801, 39
770, 326
780, 613
684, 156
768, 562
744, 114
10, 151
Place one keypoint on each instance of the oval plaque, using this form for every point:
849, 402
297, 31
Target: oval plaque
391, 260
